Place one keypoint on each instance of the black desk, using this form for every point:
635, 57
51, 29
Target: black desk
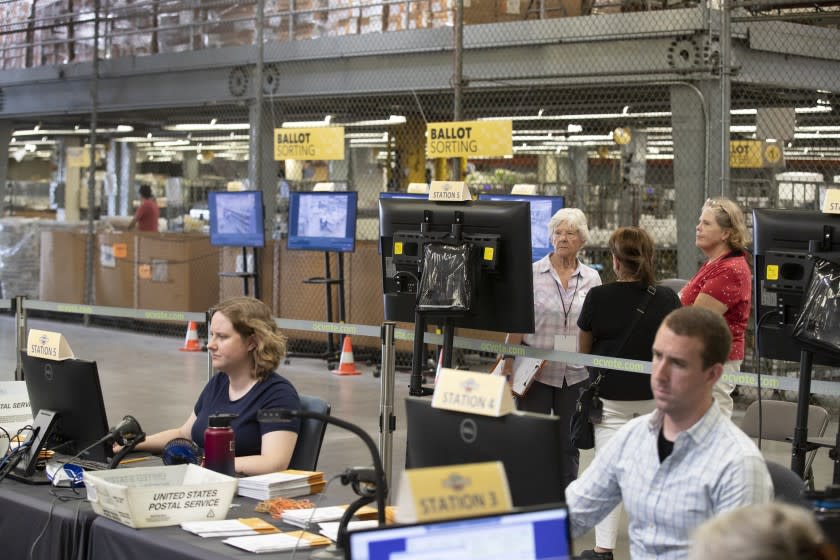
72, 531
110, 540
28, 511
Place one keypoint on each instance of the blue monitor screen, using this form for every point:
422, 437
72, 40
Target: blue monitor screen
236, 218
323, 221
542, 209
403, 195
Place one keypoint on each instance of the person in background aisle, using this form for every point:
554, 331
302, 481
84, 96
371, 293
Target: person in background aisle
766, 532
561, 283
685, 462
245, 347
724, 282
148, 213
611, 325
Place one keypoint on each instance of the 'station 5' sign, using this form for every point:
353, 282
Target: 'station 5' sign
469, 139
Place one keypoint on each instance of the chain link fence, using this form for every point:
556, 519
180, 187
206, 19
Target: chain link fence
635, 111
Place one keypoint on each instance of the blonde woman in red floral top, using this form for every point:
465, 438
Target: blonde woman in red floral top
724, 282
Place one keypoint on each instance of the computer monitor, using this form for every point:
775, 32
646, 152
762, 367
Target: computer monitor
782, 274
71, 389
504, 293
416, 196
531, 534
529, 445
323, 221
542, 209
236, 218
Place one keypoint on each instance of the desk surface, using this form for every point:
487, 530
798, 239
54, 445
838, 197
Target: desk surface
56, 521
72, 531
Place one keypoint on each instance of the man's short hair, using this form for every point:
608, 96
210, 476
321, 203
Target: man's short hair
706, 325
145, 191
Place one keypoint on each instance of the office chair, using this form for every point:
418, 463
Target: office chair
675, 284
310, 436
778, 422
787, 486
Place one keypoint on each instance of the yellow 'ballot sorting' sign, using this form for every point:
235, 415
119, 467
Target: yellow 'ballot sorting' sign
472, 392
48, 345
469, 139
319, 143
453, 491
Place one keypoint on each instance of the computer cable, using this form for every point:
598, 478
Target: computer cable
758, 367
43, 530
14, 456
8, 440
311, 515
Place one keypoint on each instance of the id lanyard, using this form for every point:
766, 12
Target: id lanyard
567, 310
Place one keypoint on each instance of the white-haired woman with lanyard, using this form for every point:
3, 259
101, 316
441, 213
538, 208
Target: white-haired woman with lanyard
561, 283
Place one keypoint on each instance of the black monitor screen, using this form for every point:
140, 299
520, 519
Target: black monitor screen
542, 209
504, 293
71, 389
782, 274
323, 221
236, 218
534, 470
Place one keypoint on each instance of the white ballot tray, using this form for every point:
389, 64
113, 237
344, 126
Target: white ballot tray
160, 496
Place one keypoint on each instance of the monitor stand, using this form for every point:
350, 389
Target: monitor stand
26, 470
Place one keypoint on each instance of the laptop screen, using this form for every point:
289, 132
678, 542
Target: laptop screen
533, 534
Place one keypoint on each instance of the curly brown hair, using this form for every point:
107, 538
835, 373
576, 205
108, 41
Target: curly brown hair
252, 318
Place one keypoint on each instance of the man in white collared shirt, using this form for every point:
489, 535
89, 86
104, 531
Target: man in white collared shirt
685, 462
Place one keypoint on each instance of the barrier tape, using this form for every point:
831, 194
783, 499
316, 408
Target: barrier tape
123, 312
748, 379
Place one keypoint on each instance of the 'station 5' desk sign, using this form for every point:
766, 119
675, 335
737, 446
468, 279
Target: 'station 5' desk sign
469, 139
320, 143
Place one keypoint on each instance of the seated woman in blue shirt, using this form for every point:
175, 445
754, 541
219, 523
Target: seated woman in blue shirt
245, 347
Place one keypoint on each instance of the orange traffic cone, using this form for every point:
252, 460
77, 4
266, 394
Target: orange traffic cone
347, 364
191, 343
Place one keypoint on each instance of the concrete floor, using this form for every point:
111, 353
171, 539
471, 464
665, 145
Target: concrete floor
148, 377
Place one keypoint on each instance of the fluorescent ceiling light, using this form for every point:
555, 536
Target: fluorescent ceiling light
391, 120
194, 127
38, 131
814, 135
307, 124
582, 117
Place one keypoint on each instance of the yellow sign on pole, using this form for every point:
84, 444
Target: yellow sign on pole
469, 139
320, 143
746, 154
78, 156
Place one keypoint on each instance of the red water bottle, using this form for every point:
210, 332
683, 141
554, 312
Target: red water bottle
219, 444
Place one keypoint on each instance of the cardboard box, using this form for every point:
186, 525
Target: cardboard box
63, 266
177, 272
160, 496
115, 269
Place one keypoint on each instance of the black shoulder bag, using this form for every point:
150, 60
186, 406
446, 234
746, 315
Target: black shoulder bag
589, 407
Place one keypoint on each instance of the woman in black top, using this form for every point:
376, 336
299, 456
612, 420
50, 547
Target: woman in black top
606, 321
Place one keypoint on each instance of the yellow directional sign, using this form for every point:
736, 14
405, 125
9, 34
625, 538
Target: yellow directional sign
746, 154
320, 143
469, 139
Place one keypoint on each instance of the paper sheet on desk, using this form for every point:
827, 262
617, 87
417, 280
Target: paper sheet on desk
525, 370
229, 527
278, 542
330, 528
